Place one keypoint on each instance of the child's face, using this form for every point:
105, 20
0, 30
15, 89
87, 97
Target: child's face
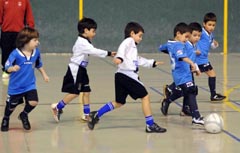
182, 37
195, 36
33, 43
137, 37
209, 26
90, 34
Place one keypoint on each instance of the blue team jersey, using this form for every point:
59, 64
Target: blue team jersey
191, 50
204, 45
180, 70
24, 79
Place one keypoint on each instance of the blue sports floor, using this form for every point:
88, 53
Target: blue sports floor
123, 130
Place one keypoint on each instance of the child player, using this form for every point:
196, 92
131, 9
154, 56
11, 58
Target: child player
127, 80
22, 84
181, 72
172, 92
205, 43
76, 78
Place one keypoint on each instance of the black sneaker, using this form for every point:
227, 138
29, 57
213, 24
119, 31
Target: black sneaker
166, 91
155, 129
24, 118
93, 119
186, 111
164, 107
198, 121
5, 124
218, 97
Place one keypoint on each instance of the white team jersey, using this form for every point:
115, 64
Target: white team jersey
81, 51
128, 52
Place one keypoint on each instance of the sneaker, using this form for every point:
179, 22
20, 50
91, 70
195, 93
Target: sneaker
5, 124
93, 119
5, 75
166, 91
218, 97
198, 121
155, 129
164, 107
186, 111
84, 118
25, 122
56, 112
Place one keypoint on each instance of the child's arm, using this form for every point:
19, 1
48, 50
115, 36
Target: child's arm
163, 48
192, 64
44, 74
148, 62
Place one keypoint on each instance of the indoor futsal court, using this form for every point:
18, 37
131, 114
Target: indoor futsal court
123, 130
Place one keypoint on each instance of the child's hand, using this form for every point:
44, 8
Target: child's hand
14, 68
113, 53
198, 72
159, 63
46, 78
198, 52
214, 44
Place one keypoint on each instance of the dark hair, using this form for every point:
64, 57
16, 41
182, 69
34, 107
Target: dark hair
25, 35
132, 26
86, 23
182, 28
209, 17
195, 26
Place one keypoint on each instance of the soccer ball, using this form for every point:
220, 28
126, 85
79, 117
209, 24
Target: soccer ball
213, 123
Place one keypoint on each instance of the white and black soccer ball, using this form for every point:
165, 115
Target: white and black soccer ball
213, 123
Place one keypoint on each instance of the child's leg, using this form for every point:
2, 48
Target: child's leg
86, 104
212, 81
151, 126
147, 111
66, 100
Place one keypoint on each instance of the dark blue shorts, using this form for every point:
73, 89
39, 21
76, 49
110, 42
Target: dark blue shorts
125, 86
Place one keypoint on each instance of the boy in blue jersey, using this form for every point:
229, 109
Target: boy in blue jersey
127, 81
182, 74
76, 78
205, 43
171, 91
22, 84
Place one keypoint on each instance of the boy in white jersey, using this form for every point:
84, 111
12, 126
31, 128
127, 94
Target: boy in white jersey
127, 80
205, 43
76, 78
22, 84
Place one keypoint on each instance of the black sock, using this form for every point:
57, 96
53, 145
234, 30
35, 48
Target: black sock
28, 108
212, 85
8, 111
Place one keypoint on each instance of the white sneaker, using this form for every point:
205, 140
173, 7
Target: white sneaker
56, 113
85, 118
198, 121
5, 75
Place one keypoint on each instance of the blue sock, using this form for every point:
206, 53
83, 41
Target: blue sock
106, 108
60, 105
86, 109
149, 120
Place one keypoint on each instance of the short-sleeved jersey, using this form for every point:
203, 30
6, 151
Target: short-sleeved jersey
191, 50
128, 52
24, 79
81, 51
204, 45
180, 70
